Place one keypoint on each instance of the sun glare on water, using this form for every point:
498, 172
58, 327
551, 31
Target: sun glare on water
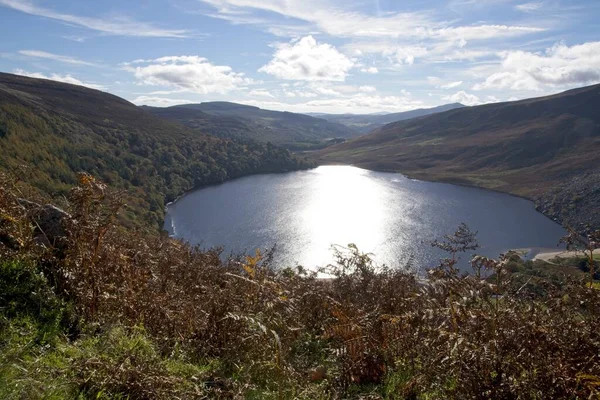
346, 206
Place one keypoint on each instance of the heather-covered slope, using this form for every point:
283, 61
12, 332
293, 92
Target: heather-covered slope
539, 148
58, 129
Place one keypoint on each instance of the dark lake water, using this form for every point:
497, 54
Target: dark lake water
395, 218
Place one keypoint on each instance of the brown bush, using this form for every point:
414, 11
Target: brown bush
447, 336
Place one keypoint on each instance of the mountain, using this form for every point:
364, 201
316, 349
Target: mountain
368, 122
57, 129
232, 120
544, 149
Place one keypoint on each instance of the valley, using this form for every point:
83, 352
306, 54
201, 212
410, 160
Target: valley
299, 200
544, 149
237, 121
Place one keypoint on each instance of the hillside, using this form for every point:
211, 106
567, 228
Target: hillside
238, 121
544, 148
369, 122
58, 129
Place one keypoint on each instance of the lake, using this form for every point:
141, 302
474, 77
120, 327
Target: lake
396, 218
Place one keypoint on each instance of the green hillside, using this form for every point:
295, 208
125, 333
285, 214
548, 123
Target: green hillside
57, 130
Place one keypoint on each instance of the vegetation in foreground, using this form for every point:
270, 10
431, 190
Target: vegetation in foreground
90, 309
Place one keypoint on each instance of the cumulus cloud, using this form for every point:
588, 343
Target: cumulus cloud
187, 73
464, 98
54, 57
308, 60
59, 78
121, 26
559, 66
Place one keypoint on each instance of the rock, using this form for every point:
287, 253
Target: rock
50, 224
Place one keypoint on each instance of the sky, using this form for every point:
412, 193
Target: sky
331, 56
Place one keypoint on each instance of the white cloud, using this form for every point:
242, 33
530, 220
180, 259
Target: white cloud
328, 18
187, 73
483, 32
370, 70
327, 90
405, 55
451, 85
364, 102
322, 15
116, 26
439, 83
306, 59
55, 57
159, 101
454, 55
78, 39
59, 78
529, 7
463, 98
260, 93
367, 89
435, 52
396, 54
560, 66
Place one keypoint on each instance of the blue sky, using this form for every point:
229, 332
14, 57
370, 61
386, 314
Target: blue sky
307, 55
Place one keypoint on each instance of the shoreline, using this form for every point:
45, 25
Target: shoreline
459, 182
450, 181
547, 254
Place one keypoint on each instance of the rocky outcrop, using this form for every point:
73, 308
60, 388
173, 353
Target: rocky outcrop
575, 203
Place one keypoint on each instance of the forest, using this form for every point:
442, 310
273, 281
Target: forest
68, 129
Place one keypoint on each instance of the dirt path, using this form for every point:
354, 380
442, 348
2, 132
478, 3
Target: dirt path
549, 255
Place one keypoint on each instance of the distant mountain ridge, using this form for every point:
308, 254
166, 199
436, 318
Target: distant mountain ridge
544, 148
239, 121
365, 123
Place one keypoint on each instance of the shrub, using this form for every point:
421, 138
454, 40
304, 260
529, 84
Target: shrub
160, 319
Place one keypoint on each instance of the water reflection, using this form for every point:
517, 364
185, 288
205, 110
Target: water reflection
396, 218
